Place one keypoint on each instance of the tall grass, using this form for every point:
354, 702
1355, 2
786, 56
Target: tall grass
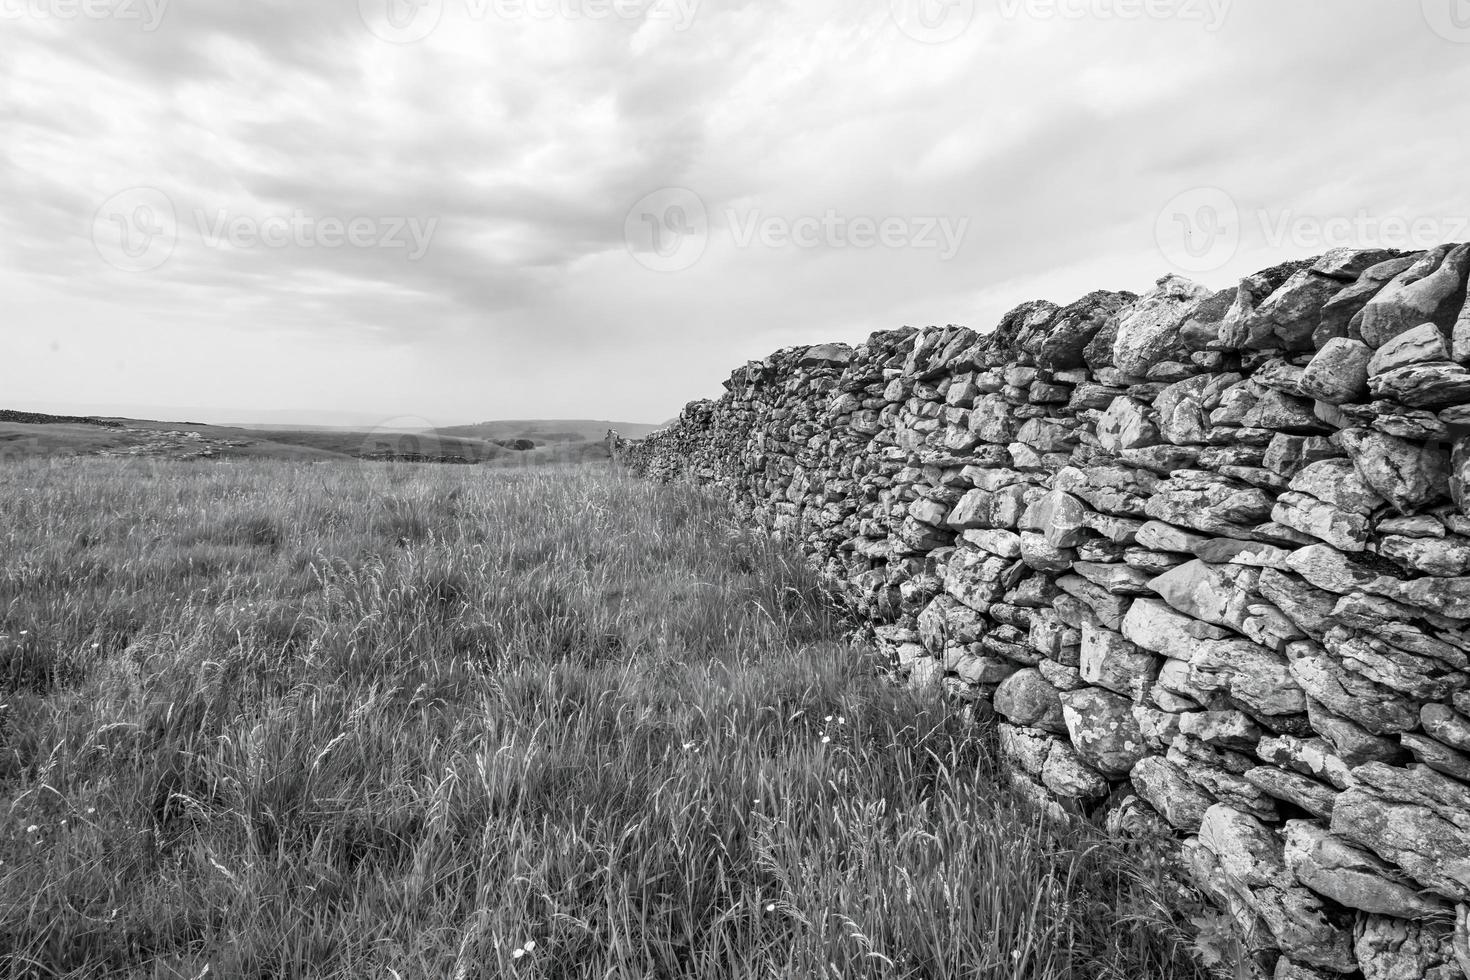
280, 720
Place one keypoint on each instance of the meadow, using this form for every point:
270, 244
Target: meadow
380, 720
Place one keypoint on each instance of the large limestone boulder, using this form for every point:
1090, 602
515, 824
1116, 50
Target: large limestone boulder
1149, 330
1126, 425
1110, 661
1431, 385
1074, 328
1338, 482
1235, 328
1300, 512
1103, 730
1338, 374
1182, 410
1025, 748
1208, 503
1432, 290
1409, 475
1290, 315
1446, 725
1252, 860
1025, 698
1061, 517
825, 356
1425, 342
1154, 625
1341, 311
1253, 675
1017, 331
1348, 264
1310, 757
1067, 775
1218, 594
1352, 876
1378, 709
1414, 818
1396, 949
1170, 791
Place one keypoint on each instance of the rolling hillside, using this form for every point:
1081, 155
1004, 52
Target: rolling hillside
26, 435
552, 430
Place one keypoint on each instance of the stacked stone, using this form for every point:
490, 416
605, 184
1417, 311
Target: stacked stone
1207, 555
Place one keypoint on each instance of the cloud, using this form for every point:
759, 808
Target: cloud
517, 134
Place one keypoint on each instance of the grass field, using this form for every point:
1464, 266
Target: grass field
389, 721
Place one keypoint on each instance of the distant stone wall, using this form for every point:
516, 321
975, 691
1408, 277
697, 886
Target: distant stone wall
1207, 555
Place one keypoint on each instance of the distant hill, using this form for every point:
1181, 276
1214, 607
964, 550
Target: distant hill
24, 434
541, 431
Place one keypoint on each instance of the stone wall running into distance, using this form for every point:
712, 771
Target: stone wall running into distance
1206, 554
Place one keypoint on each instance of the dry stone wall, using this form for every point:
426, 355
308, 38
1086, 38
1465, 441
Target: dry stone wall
1205, 554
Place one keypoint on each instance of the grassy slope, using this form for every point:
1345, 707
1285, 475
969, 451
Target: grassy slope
402, 721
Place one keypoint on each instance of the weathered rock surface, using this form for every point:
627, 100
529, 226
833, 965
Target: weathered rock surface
1395, 949
1432, 290
1251, 860
1339, 372
1351, 876
1415, 818
1149, 330
1027, 699
1205, 555
1103, 730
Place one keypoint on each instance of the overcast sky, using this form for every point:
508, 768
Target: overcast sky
460, 210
